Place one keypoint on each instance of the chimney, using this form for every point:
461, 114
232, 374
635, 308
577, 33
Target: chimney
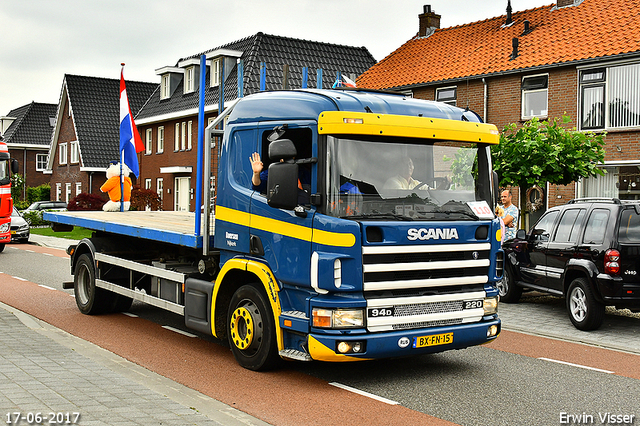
429, 21
514, 44
509, 19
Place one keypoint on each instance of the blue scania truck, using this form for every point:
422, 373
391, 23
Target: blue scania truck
373, 237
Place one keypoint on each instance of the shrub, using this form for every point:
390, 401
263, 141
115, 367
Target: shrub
143, 198
39, 193
85, 201
34, 218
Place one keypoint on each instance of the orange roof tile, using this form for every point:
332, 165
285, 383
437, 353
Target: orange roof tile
593, 29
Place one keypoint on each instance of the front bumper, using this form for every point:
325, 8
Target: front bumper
20, 235
400, 343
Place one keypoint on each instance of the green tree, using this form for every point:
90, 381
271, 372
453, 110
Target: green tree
541, 152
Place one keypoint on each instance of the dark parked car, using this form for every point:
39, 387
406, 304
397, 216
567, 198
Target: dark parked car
19, 227
587, 251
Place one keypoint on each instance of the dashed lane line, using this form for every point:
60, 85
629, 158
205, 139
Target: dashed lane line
363, 393
577, 365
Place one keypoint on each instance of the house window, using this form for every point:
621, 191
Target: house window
67, 192
535, 92
148, 142
165, 92
183, 136
176, 139
160, 140
160, 188
74, 152
147, 184
215, 72
58, 191
448, 95
63, 153
189, 133
189, 85
41, 162
78, 188
610, 97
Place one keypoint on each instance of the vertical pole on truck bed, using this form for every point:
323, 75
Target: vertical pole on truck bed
199, 168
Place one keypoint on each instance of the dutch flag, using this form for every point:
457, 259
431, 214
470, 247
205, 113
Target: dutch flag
130, 141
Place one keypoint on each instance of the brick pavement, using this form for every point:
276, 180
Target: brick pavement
45, 370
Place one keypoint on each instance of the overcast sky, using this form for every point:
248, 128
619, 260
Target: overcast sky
44, 39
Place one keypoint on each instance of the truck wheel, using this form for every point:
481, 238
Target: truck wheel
1, 247
507, 288
251, 329
585, 312
90, 299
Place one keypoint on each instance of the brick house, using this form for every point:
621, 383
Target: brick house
27, 132
168, 122
579, 57
86, 135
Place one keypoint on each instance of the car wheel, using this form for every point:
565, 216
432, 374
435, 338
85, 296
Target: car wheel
507, 288
585, 312
251, 329
90, 299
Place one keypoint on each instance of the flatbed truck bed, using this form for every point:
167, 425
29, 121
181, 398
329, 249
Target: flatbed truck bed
165, 226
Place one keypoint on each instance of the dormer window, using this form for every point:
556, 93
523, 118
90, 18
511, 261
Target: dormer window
165, 89
189, 80
215, 72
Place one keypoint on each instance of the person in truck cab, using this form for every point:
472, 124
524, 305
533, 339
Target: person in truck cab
260, 176
404, 179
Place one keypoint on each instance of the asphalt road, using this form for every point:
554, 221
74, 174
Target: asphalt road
515, 380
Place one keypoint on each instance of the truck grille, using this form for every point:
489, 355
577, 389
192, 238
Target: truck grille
411, 287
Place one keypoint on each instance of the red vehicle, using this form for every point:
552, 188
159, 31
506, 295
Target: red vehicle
6, 202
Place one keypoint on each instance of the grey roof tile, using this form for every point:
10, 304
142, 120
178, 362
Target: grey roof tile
31, 125
275, 52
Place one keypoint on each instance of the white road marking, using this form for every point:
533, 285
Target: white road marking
129, 314
363, 393
179, 331
21, 279
46, 286
578, 365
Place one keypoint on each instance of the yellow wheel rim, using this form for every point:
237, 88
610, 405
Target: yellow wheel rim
242, 328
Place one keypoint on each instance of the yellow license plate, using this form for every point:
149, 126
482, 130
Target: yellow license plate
433, 340
13, 232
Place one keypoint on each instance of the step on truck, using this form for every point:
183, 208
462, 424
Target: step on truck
7, 166
373, 236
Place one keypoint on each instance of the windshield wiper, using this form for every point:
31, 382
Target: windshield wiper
468, 214
378, 216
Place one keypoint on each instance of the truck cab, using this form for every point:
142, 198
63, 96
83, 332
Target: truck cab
7, 166
389, 248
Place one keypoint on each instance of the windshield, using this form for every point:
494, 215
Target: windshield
388, 180
4, 172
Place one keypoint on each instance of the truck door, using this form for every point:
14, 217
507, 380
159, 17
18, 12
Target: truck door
533, 269
562, 246
282, 237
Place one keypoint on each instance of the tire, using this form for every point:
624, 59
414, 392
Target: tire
2, 247
251, 329
585, 312
90, 299
507, 288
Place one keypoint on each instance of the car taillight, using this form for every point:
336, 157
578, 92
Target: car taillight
612, 262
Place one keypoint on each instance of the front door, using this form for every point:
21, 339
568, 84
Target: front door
182, 196
533, 267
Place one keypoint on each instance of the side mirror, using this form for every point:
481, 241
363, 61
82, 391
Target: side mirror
282, 149
521, 234
282, 185
15, 167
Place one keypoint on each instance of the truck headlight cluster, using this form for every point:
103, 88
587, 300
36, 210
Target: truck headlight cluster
490, 305
338, 318
4, 227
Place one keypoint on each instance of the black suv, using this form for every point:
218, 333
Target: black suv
587, 251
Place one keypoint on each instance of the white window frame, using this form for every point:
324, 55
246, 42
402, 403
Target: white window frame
442, 95
183, 136
176, 139
215, 72
160, 188
147, 183
165, 87
78, 188
525, 94
58, 191
148, 142
74, 152
62, 153
160, 145
189, 135
67, 192
41, 162
189, 80
612, 81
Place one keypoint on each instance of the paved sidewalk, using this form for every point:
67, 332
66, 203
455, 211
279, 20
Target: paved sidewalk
48, 371
53, 242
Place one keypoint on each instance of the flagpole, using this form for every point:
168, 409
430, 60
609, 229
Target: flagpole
121, 163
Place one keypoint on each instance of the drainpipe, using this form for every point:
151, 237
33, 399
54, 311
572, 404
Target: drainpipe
486, 99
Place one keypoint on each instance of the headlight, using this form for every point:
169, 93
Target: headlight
4, 227
24, 228
338, 318
490, 305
